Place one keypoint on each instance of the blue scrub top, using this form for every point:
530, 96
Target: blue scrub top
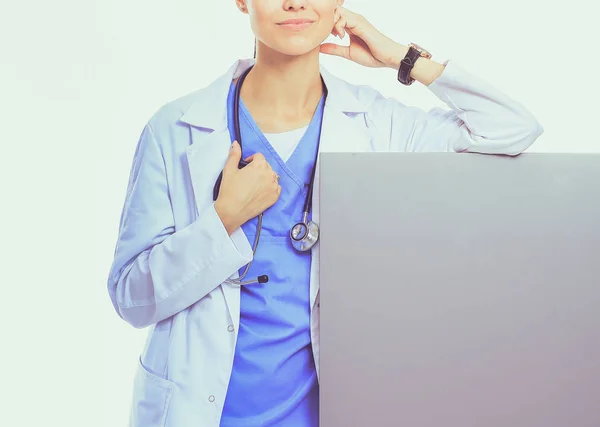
274, 381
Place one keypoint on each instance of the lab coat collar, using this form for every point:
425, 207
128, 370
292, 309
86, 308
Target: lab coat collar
209, 110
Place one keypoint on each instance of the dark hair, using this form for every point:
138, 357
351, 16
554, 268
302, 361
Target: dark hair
255, 48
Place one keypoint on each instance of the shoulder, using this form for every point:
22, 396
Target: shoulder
381, 112
373, 103
171, 122
202, 108
170, 113
165, 129
391, 123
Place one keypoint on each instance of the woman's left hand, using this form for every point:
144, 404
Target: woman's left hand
368, 46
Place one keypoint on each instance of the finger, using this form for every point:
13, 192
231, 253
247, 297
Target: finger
336, 50
336, 17
255, 158
334, 32
233, 159
340, 26
353, 22
348, 14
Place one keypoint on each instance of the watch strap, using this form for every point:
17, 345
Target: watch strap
406, 66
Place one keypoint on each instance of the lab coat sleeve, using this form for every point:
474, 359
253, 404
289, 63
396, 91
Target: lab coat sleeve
157, 271
480, 119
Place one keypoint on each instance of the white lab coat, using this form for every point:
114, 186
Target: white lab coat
173, 253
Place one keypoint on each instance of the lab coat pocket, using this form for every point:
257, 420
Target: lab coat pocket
151, 397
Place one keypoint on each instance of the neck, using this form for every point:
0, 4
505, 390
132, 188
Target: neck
285, 88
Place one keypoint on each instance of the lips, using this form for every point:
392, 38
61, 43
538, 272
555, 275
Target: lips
297, 23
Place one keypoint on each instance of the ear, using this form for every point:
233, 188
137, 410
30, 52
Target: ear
241, 5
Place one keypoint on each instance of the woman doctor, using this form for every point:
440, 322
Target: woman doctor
221, 353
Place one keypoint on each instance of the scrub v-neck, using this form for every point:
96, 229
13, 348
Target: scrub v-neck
291, 166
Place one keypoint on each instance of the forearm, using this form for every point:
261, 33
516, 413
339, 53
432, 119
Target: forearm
170, 276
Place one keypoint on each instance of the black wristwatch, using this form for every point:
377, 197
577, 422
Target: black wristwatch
406, 65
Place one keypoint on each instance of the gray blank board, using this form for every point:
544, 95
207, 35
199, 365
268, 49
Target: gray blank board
460, 290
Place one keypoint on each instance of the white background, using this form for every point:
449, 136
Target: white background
78, 81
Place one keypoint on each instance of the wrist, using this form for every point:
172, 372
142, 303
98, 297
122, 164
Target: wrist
227, 219
398, 52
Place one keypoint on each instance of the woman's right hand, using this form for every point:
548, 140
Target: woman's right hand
246, 192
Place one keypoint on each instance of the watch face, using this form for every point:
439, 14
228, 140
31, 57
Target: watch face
424, 53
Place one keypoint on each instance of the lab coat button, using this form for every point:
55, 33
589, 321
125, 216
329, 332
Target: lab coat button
230, 328
211, 398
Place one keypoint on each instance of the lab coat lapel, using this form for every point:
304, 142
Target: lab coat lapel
207, 154
206, 158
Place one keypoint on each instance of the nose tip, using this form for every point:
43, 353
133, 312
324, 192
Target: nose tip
296, 4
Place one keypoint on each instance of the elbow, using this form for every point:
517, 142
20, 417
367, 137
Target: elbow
525, 139
534, 130
138, 317
538, 130
139, 314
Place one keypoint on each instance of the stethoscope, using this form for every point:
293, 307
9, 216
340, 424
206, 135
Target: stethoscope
305, 234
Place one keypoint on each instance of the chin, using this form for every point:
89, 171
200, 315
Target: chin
298, 44
296, 47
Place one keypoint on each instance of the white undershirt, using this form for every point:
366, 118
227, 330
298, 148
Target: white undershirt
285, 143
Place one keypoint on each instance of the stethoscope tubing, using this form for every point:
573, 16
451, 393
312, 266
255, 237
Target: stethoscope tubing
307, 202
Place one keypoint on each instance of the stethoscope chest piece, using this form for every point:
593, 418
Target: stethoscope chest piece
304, 235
